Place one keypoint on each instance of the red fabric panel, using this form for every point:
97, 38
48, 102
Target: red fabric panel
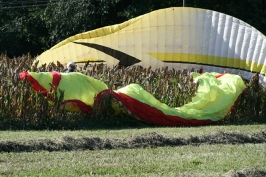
82, 106
151, 114
34, 83
56, 78
220, 75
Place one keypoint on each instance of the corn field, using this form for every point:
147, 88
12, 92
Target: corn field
22, 108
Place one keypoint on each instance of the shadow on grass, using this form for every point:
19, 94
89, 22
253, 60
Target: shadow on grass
78, 122
74, 123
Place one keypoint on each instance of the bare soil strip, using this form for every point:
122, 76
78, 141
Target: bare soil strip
247, 172
141, 141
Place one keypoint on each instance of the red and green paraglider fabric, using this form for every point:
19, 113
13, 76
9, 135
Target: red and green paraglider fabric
215, 97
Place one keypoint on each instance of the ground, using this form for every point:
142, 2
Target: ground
141, 141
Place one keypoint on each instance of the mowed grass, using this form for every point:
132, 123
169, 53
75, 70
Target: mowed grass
129, 132
205, 160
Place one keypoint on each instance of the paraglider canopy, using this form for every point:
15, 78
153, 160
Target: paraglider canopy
176, 37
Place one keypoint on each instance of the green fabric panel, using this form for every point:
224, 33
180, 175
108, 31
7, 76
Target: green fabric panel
213, 100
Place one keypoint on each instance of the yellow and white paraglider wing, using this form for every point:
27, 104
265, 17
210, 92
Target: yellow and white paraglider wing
177, 37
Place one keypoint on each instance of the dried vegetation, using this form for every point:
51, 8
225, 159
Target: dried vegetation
21, 108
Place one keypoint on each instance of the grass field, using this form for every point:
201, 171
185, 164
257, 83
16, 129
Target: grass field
164, 161
128, 132
209, 151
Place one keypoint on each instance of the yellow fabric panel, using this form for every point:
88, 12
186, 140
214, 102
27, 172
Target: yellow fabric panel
213, 100
45, 77
217, 61
76, 86
85, 92
98, 32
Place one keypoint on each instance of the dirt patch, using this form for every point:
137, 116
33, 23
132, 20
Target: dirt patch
141, 141
248, 172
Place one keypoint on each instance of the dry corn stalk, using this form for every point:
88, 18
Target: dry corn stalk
173, 87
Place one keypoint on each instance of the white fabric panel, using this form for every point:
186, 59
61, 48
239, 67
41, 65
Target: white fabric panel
257, 52
233, 41
245, 43
213, 34
206, 32
200, 29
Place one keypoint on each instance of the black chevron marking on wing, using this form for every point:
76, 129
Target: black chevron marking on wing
124, 59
